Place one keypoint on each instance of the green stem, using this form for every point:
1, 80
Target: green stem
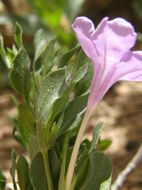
47, 169
73, 158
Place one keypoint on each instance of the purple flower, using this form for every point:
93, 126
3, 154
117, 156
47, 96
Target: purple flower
109, 47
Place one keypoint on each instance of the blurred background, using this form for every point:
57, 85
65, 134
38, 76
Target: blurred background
121, 109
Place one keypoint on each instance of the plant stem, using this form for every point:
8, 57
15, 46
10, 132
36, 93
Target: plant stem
47, 169
73, 158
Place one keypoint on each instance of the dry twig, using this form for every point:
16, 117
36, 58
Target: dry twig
129, 168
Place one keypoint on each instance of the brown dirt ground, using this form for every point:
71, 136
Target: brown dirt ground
121, 112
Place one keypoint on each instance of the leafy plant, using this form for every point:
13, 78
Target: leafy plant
54, 91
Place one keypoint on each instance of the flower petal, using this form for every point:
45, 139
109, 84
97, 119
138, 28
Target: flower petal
118, 35
85, 29
130, 68
109, 48
102, 87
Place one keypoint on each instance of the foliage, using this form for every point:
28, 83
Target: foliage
54, 92
57, 16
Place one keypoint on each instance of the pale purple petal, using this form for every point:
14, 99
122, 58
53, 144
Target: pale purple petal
85, 29
130, 67
109, 47
119, 36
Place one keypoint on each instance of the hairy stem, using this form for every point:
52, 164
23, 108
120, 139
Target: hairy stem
73, 159
47, 169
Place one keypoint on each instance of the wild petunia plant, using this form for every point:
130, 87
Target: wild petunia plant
58, 95
54, 90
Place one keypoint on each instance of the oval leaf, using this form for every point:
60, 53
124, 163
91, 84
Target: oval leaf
100, 169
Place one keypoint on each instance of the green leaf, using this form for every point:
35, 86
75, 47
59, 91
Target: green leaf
10, 54
33, 146
96, 136
20, 75
59, 104
82, 172
25, 123
82, 163
106, 184
2, 181
104, 144
74, 108
80, 73
13, 169
48, 137
83, 154
2, 50
14, 50
23, 174
50, 90
68, 72
100, 170
81, 168
3, 54
76, 123
74, 73
18, 35
76, 69
67, 56
54, 166
37, 173
41, 40
48, 57
51, 138
16, 131
14, 100
83, 86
